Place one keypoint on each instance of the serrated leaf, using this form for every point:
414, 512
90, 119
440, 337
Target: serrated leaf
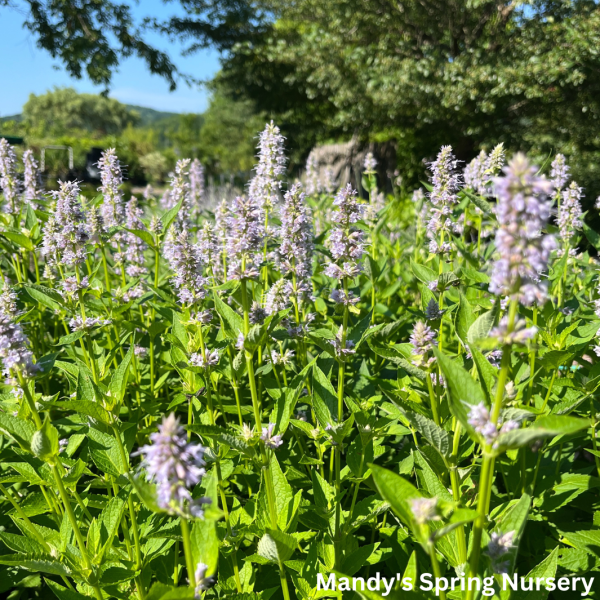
118, 382
46, 296
482, 326
233, 324
433, 433
104, 452
396, 491
18, 429
168, 217
423, 273
324, 398
205, 544
84, 407
276, 546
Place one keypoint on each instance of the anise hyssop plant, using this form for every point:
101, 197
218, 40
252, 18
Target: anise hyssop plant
302, 386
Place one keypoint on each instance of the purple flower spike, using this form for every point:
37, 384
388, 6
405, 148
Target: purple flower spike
346, 242
522, 211
111, 176
295, 254
8, 177
176, 466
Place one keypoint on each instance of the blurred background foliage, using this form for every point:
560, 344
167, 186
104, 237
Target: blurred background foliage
417, 73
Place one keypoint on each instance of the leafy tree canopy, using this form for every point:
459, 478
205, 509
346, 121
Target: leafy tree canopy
63, 109
429, 72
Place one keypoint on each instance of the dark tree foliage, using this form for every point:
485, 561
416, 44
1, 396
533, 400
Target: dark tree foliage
430, 72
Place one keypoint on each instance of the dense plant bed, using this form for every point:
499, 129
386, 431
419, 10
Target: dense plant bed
302, 387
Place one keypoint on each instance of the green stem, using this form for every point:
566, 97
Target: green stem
75, 526
487, 470
187, 550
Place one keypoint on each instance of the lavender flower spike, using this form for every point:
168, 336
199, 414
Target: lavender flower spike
176, 466
423, 340
14, 354
474, 174
270, 440
111, 177
196, 185
500, 545
279, 296
31, 179
444, 195
8, 176
185, 260
522, 211
424, 510
313, 182
295, 254
66, 231
244, 239
346, 242
559, 172
266, 183
370, 163
569, 214
480, 419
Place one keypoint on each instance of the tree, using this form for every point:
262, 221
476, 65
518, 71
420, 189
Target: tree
228, 134
62, 110
432, 72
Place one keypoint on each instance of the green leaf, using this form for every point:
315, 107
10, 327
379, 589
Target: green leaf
324, 398
85, 388
109, 521
464, 318
592, 236
545, 427
63, 593
84, 407
42, 563
20, 239
118, 382
276, 546
46, 362
462, 387
396, 491
144, 235
479, 202
482, 326
422, 273
205, 544
487, 373
18, 429
46, 296
31, 219
65, 340
409, 367
21, 544
168, 218
104, 452
433, 433
547, 568
233, 324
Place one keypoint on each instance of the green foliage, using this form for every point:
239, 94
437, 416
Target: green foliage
330, 445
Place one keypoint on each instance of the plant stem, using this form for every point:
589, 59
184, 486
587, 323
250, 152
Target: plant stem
487, 469
187, 550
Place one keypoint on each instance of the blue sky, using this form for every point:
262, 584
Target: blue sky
25, 69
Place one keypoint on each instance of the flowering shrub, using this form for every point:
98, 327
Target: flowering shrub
304, 383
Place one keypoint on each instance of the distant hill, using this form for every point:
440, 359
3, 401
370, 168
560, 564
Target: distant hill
148, 116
